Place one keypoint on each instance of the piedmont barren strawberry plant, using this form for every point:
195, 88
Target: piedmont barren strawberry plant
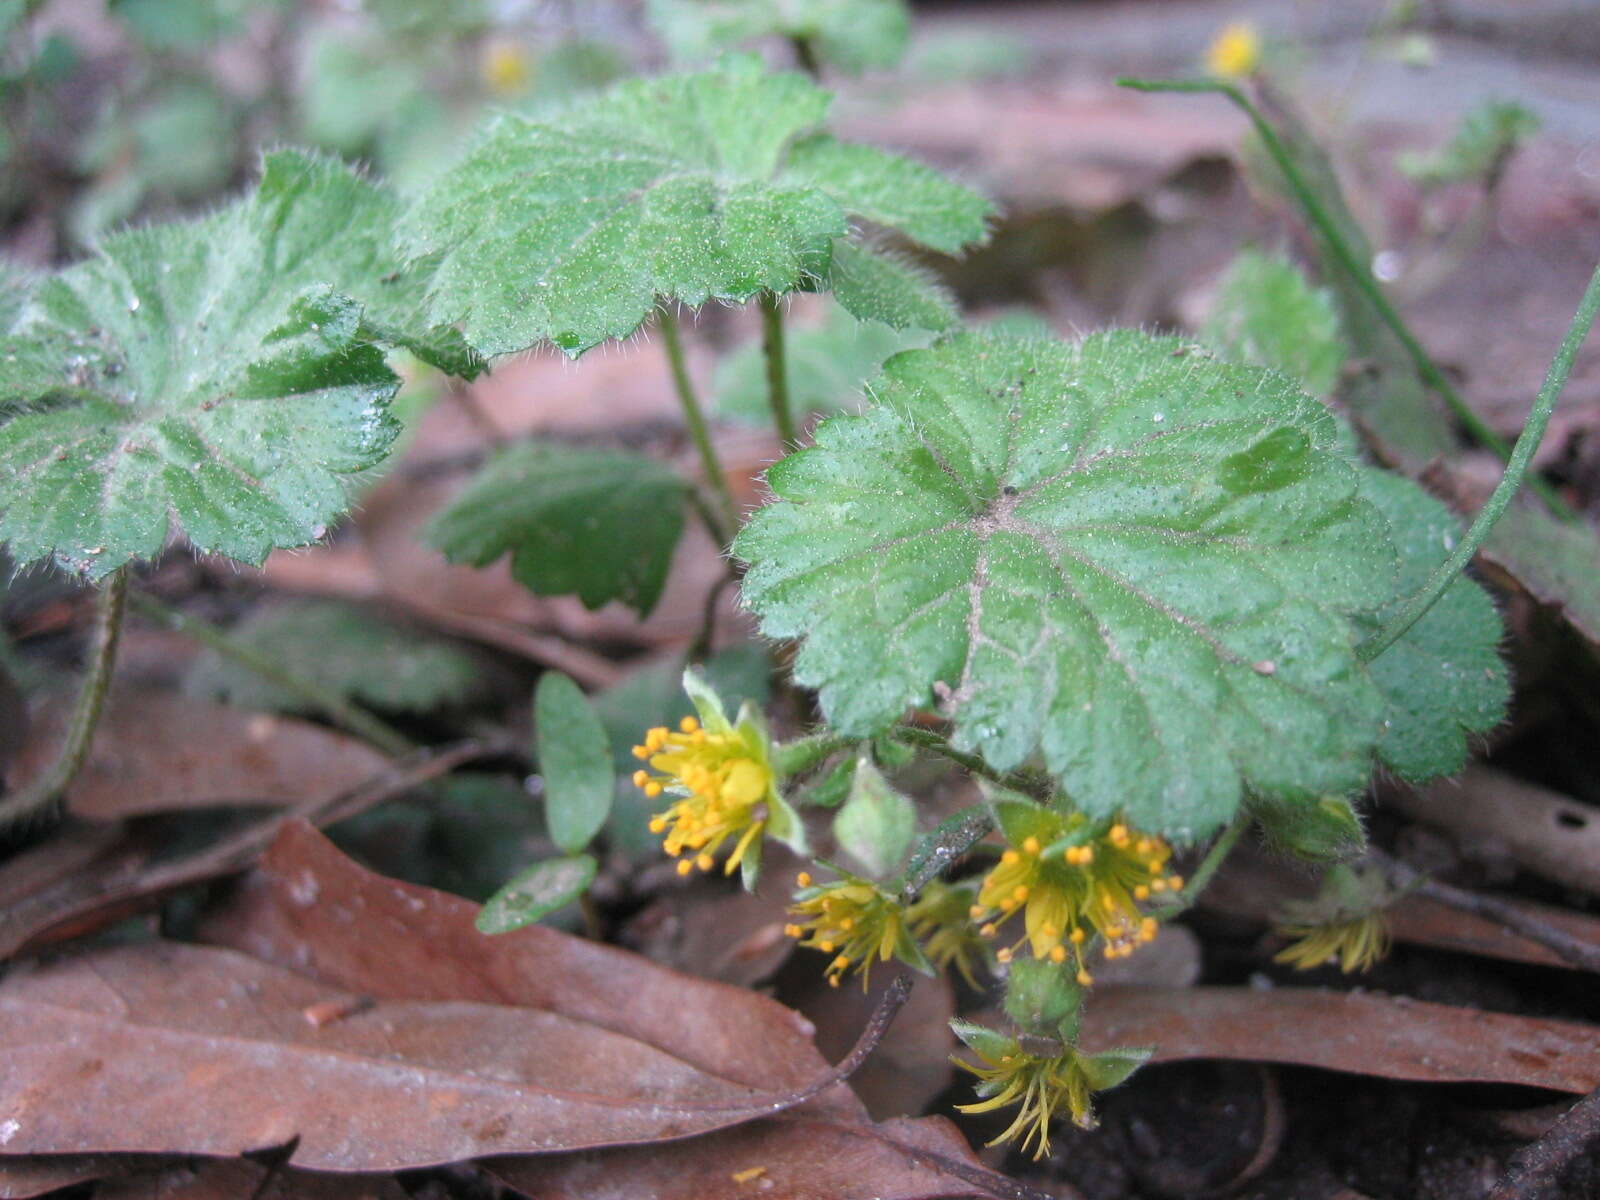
1136, 597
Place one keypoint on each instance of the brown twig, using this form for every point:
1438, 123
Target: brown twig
1540, 1162
1576, 951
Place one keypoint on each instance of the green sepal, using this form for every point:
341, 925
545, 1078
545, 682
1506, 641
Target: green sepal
990, 1043
877, 824
713, 717
1020, 818
1044, 998
1111, 1067
1328, 831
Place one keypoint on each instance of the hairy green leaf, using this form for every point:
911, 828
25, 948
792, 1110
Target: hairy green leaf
344, 649
847, 35
1444, 679
599, 523
575, 759
828, 366
537, 892
214, 375
874, 284
1267, 313
1132, 558
572, 226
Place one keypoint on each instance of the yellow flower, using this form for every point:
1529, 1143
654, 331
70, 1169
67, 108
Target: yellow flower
940, 919
1089, 880
505, 68
1235, 52
1039, 1084
724, 785
1343, 923
855, 922
1355, 944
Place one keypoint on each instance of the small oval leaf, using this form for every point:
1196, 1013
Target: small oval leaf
538, 891
575, 759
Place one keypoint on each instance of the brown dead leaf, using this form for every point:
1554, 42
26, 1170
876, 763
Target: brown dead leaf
240, 1180
91, 875
1547, 832
790, 1157
1089, 147
156, 752
310, 907
160, 1047
912, 1063
1391, 1037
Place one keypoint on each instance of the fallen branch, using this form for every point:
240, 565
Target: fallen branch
1540, 1162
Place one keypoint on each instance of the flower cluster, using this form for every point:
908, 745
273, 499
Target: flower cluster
940, 920
854, 921
1091, 880
1344, 923
1040, 1082
724, 786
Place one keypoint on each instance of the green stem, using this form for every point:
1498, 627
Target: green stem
791, 758
1358, 271
1560, 366
777, 370
109, 605
926, 739
336, 708
1197, 883
695, 418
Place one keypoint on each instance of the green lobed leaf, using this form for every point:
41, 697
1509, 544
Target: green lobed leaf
211, 375
877, 823
875, 284
572, 226
1267, 313
345, 649
1129, 557
847, 35
575, 759
1444, 679
598, 523
828, 366
537, 892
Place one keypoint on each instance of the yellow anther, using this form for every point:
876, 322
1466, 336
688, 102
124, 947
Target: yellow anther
1003, 954
1175, 882
1019, 893
1031, 845
1142, 892
976, 912
792, 930
840, 963
1009, 857
1077, 937
1148, 929
1118, 834
641, 751
1058, 954
658, 824
652, 789
803, 879
847, 923
988, 930
704, 862
826, 947
1158, 885
640, 778
1086, 855
684, 866
1085, 979
688, 724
